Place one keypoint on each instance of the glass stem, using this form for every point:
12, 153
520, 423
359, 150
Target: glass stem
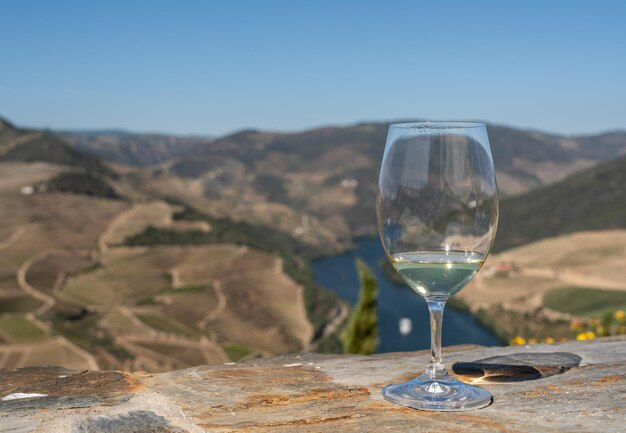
435, 369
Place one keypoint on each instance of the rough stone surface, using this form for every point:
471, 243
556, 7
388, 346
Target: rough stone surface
63, 388
569, 387
16, 425
132, 422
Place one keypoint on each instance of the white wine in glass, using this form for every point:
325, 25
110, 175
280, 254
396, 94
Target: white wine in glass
437, 212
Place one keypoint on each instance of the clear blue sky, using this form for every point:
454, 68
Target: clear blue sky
212, 67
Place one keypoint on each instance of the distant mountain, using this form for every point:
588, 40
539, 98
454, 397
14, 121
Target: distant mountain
319, 184
594, 199
331, 173
132, 149
529, 159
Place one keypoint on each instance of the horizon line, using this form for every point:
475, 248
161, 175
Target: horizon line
130, 131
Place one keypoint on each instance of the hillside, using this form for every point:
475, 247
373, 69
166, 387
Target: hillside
95, 271
330, 174
590, 200
131, 149
17, 145
320, 185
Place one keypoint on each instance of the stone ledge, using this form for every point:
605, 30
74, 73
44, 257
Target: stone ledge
574, 386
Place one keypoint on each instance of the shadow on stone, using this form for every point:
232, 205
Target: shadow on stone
517, 367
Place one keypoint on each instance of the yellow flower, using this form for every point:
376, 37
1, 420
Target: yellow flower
549, 340
532, 341
586, 336
518, 341
619, 315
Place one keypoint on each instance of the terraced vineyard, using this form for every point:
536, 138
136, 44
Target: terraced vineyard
151, 308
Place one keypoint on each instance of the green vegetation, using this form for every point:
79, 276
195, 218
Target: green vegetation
224, 230
319, 302
361, 333
87, 335
236, 351
590, 200
20, 329
4, 278
20, 304
148, 301
162, 323
82, 183
331, 343
49, 148
585, 301
193, 288
157, 236
507, 325
458, 304
613, 322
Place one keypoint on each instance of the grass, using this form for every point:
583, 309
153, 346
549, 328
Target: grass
236, 351
585, 301
162, 323
20, 329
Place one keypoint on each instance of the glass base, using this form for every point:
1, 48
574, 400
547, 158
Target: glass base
442, 394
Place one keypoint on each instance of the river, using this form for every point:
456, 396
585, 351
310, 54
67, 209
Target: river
339, 274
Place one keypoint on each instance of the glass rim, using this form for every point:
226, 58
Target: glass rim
437, 124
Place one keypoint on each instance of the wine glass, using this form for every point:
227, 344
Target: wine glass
437, 211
